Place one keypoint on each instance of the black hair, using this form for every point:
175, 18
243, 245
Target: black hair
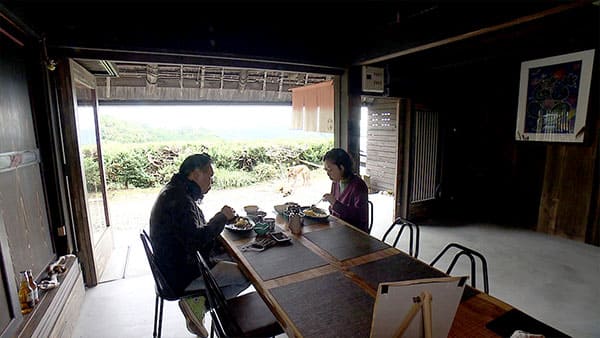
193, 162
340, 158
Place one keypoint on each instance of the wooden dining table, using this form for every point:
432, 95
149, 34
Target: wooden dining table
323, 283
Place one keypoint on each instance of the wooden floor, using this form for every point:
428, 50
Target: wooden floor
550, 278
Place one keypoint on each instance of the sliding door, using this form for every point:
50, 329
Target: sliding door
86, 179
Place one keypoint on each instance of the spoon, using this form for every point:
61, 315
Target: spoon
319, 201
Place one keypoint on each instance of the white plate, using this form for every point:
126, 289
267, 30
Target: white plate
321, 213
233, 227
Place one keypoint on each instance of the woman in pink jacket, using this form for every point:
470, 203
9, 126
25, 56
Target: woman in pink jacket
349, 193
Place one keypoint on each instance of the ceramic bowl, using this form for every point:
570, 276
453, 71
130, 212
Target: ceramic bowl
261, 228
251, 209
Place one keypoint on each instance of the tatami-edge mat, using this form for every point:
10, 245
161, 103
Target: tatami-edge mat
283, 259
394, 268
326, 306
514, 319
343, 242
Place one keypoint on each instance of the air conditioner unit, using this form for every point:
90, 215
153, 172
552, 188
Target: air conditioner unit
372, 79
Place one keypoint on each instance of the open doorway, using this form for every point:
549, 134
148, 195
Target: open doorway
219, 110
403, 154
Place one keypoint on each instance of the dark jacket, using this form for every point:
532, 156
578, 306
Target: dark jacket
178, 229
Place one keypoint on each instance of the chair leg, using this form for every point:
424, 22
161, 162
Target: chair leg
160, 317
417, 232
155, 316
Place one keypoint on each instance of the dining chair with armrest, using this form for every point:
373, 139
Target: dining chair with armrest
243, 316
471, 254
162, 288
413, 230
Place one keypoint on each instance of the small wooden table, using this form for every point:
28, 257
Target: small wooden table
324, 283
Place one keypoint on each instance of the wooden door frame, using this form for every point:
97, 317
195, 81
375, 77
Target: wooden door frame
92, 266
403, 158
9, 284
401, 183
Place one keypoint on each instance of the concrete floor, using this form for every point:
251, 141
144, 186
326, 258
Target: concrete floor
550, 278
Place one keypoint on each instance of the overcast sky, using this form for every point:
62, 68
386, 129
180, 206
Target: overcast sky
209, 117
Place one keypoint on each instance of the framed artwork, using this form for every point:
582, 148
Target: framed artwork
553, 98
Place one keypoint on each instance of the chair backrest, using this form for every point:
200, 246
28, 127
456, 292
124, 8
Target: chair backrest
414, 233
471, 254
370, 205
223, 321
162, 287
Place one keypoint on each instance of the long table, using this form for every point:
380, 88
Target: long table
324, 283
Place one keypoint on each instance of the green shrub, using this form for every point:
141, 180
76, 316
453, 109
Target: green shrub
145, 165
265, 172
314, 152
92, 176
128, 168
227, 178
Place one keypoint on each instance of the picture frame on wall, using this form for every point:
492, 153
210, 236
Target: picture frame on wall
553, 98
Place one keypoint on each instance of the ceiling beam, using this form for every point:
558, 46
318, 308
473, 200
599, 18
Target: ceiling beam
518, 21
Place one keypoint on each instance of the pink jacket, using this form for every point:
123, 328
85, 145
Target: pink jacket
351, 204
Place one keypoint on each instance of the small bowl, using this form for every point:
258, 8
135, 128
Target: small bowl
251, 209
261, 228
270, 221
258, 216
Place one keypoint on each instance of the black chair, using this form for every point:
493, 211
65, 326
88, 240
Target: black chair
162, 288
370, 215
414, 235
471, 254
243, 316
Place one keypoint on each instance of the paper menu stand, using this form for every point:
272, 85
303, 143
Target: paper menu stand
418, 304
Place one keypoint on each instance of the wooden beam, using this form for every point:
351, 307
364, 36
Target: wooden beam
243, 79
281, 76
515, 22
181, 80
202, 77
222, 76
265, 84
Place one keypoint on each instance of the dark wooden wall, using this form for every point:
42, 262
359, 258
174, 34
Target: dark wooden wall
570, 193
487, 175
22, 199
25, 241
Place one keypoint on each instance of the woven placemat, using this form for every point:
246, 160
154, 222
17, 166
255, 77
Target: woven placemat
513, 320
283, 259
394, 268
343, 242
327, 306
400, 267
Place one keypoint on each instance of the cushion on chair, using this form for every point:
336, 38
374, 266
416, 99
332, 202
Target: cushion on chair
193, 308
254, 316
